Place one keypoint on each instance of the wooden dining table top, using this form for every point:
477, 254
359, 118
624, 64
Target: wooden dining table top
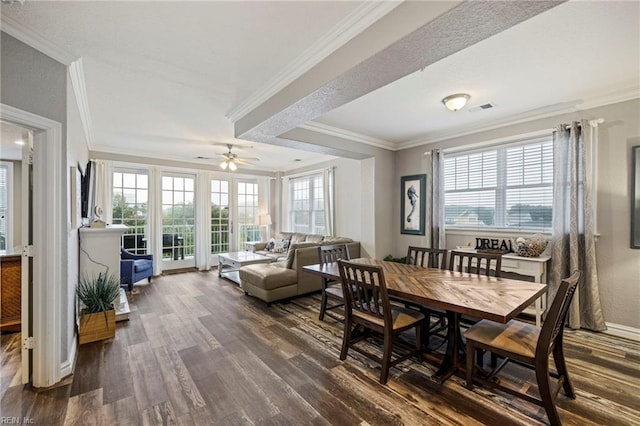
479, 296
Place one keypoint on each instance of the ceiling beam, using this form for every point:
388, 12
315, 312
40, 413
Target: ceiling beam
411, 37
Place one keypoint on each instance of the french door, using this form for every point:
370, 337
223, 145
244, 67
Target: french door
178, 220
248, 228
221, 214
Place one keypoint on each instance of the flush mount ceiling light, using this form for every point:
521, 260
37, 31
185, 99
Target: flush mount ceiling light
456, 102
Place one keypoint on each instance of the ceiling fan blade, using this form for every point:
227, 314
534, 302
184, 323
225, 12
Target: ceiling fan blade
200, 157
247, 159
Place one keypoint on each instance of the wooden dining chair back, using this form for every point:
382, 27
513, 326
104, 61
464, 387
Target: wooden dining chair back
367, 304
531, 346
331, 289
427, 257
475, 263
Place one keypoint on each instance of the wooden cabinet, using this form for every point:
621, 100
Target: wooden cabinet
10, 292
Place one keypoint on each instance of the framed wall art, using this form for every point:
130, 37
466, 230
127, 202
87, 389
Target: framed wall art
635, 197
413, 204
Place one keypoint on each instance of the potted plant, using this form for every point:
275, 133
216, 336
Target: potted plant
98, 317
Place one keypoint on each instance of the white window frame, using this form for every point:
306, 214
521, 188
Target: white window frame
310, 178
136, 171
10, 205
500, 219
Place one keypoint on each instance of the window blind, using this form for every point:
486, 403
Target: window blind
509, 186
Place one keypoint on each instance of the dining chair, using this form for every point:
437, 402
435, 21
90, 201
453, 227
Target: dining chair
479, 264
475, 263
530, 346
429, 258
367, 305
331, 289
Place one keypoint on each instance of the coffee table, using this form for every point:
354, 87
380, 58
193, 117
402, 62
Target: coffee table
230, 263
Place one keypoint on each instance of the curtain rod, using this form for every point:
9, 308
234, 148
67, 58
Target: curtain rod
593, 123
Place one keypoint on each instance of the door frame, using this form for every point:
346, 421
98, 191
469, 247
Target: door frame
49, 221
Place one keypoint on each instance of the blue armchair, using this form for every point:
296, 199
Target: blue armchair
134, 267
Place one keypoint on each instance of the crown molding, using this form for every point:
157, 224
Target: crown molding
76, 74
348, 135
35, 40
349, 27
622, 95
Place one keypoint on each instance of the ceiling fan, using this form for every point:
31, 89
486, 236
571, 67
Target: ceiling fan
231, 160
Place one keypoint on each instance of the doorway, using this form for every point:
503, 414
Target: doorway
15, 234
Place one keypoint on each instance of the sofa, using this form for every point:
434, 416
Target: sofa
285, 278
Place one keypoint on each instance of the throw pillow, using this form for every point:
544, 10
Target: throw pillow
281, 246
271, 244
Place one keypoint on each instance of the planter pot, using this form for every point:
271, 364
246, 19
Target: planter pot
94, 327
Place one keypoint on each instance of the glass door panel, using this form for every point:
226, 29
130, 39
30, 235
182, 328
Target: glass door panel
248, 227
130, 201
178, 221
220, 216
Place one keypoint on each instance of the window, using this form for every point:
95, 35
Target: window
307, 204
248, 228
510, 187
130, 207
6, 204
219, 216
178, 217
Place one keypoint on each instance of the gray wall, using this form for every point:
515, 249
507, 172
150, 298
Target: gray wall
618, 265
36, 83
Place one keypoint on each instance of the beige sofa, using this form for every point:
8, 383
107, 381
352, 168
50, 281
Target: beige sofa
285, 278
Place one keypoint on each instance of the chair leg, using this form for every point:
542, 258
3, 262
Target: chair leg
544, 387
470, 350
346, 338
323, 306
149, 278
494, 360
561, 367
419, 329
386, 357
480, 357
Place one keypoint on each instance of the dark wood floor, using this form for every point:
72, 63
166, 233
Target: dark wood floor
196, 351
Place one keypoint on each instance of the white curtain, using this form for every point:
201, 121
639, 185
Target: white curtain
154, 213
436, 200
264, 205
284, 207
103, 172
573, 222
328, 188
203, 221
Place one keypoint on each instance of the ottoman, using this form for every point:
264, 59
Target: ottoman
269, 281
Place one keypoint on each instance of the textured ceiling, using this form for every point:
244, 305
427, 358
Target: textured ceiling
163, 78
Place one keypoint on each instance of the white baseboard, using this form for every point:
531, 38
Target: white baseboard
66, 368
623, 331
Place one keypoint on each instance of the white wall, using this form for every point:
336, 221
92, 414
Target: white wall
618, 264
36, 83
77, 152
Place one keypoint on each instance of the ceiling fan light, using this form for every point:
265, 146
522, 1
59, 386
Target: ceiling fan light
456, 101
224, 165
232, 166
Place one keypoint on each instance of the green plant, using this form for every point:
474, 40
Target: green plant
390, 258
98, 293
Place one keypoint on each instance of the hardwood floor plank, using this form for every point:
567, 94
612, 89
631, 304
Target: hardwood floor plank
123, 412
117, 380
182, 391
148, 383
196, 351
85, 409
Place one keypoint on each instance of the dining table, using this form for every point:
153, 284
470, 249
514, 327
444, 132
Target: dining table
456, 293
